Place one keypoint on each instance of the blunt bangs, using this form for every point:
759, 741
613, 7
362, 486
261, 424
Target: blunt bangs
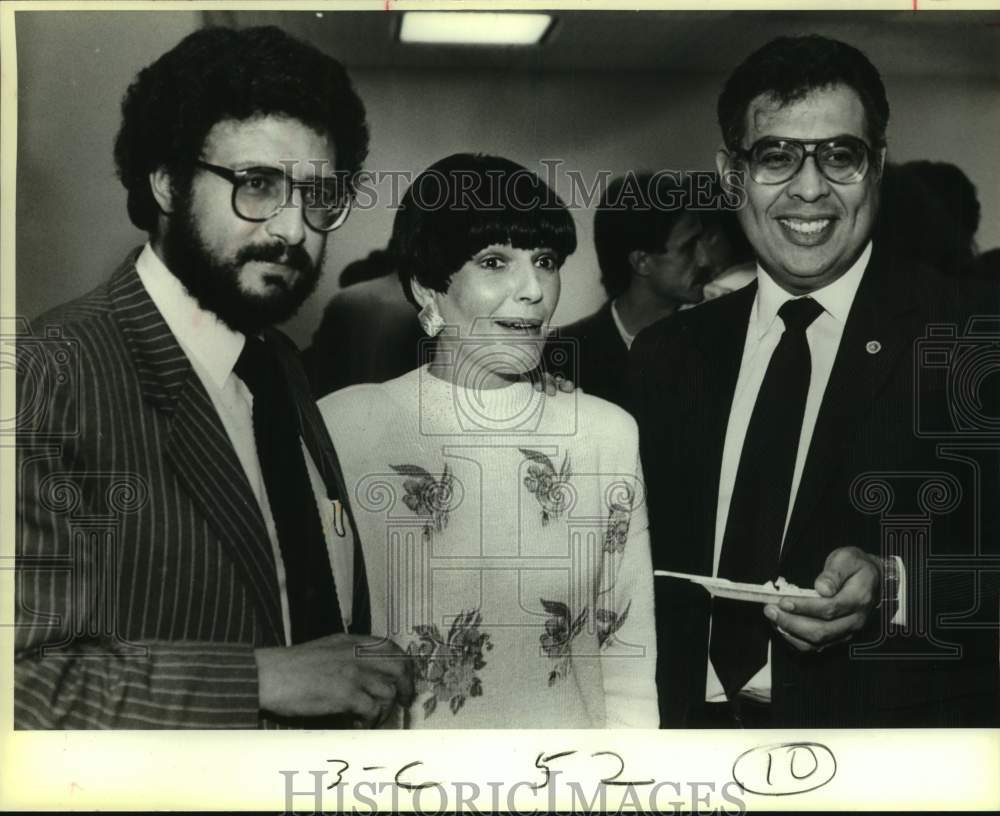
467, 202
552, 228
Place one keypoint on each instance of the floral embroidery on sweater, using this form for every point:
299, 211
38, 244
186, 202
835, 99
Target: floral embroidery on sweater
608, 622
560, 631
448, 668
619, 517
427, 496
550, 488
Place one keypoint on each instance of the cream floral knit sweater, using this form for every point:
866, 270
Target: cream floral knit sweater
507, 549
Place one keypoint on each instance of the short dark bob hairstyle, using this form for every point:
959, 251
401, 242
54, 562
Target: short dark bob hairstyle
466, 202
216, 74
788, 69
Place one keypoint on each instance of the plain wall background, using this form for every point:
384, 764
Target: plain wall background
73, 68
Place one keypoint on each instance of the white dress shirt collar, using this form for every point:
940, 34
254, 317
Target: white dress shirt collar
835, 298
626, 337
208, 342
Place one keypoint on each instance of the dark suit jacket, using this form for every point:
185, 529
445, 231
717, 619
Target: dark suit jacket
369, 334
145, 573
593, 354
873, 478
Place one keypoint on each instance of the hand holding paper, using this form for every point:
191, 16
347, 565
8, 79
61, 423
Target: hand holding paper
769, 592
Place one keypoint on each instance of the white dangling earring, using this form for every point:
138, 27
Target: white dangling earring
430, 319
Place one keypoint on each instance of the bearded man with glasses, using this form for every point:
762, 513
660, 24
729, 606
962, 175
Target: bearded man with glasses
793, 430
224, 588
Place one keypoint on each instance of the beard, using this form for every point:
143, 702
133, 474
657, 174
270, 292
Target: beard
215, 283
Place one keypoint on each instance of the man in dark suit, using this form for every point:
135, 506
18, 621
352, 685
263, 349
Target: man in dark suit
185, 551
651, 264
794, 429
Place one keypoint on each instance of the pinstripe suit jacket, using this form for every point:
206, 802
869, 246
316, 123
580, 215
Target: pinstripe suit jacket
145, 573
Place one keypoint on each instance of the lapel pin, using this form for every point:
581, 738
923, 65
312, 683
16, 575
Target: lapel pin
873, 347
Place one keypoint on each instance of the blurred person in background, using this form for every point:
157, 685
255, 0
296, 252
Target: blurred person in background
726, 250
919, 224
369, 332
956, 194
652, 263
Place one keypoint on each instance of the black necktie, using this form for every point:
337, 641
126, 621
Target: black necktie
751, 545
312, 598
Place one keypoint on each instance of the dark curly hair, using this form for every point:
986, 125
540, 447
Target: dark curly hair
637, 211
220, 73
789, 68
466, 202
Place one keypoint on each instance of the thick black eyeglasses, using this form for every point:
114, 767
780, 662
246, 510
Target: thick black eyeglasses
259, 192
842, 159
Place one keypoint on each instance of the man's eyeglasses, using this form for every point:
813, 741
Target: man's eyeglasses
842, 160
259, 192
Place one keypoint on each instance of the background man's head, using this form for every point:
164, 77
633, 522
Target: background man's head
918, 225
238, 99
947, 184
809, 229
723, 243
645, 238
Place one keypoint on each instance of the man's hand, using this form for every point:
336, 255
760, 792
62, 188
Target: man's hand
850, 586
337, 674
552, 384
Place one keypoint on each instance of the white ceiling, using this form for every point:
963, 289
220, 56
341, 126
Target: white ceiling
930, 43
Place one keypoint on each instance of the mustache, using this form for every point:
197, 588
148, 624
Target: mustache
293, 256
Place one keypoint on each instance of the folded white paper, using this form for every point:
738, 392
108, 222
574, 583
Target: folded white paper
769, 592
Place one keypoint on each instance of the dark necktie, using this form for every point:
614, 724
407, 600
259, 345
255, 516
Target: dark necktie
312, 597
751, 545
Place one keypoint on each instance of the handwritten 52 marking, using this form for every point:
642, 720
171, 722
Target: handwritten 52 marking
542, 763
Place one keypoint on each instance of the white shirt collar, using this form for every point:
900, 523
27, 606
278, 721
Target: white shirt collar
836, 297
205, 339
626, 337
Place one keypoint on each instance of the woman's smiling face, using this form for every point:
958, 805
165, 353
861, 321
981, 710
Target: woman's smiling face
499, 302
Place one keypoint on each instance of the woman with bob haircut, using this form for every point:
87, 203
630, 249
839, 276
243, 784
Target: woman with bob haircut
504, 530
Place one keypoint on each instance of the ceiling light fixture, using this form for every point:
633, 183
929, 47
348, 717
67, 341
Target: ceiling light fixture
473, 28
